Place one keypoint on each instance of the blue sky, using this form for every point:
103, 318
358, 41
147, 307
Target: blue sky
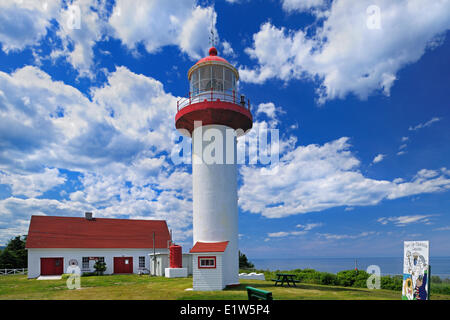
361, 104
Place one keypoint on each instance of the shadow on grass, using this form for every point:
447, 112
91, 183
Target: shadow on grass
304, 286
307, 286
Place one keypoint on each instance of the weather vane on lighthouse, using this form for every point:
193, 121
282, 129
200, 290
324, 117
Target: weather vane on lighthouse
213, 110
212, 36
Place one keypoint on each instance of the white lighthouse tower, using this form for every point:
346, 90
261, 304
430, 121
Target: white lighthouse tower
214, 114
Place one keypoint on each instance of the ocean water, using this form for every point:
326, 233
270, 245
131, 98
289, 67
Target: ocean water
440, 266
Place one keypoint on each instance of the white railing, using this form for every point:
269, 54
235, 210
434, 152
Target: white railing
4, 272
213, 95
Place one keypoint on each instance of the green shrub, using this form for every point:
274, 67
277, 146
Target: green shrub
352, 278
328, 278
99, 267
440, 288
355, 278
436, 279
392, 282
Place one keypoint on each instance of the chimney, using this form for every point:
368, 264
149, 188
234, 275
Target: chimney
88, 215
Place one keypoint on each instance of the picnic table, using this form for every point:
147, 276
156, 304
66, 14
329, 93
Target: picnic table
285, 278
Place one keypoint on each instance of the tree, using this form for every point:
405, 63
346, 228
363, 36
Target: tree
7, 260
99, 267
14, 256
244, 263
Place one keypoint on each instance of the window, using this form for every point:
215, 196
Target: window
142, 262
85, 264
205, 78
194, 82
101, 259
206, 262
215, 77
228, 80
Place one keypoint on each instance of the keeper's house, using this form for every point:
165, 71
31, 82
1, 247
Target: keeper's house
54, 243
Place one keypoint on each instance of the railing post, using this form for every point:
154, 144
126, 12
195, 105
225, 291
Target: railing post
178, 105
234, 100
189, 98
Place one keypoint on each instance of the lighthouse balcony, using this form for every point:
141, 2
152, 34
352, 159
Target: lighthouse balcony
214, 96
214, 107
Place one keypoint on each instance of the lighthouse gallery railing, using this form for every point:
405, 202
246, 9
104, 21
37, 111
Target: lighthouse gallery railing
213, 95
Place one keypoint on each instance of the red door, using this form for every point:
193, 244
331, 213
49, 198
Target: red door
123, 264
52, 266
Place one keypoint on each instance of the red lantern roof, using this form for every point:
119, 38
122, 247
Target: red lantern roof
212, 57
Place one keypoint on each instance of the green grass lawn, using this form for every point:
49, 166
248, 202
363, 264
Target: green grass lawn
160, 288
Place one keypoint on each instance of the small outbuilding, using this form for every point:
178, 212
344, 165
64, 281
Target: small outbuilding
208, 267
160, 261
55, 243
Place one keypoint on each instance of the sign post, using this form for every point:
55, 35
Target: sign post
416, 271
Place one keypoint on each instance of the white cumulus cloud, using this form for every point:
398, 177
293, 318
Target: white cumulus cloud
301, 5
34, 184
405, 220
318, 177
344, 55
425, 124
160, 23
116, 144
378, 158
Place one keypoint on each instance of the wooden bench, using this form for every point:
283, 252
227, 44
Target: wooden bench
258, 294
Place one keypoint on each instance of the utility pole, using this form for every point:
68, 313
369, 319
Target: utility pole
154, 255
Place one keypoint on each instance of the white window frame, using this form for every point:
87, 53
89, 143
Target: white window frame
142, 266
207, 258
85, 263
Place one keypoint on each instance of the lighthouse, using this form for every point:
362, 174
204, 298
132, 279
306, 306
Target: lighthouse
214, 114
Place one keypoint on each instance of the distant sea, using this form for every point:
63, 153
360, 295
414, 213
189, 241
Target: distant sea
440, 266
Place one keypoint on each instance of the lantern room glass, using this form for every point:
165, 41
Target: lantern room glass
215, 77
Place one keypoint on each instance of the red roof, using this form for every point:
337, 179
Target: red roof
69, 232
212, 57
209, 247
